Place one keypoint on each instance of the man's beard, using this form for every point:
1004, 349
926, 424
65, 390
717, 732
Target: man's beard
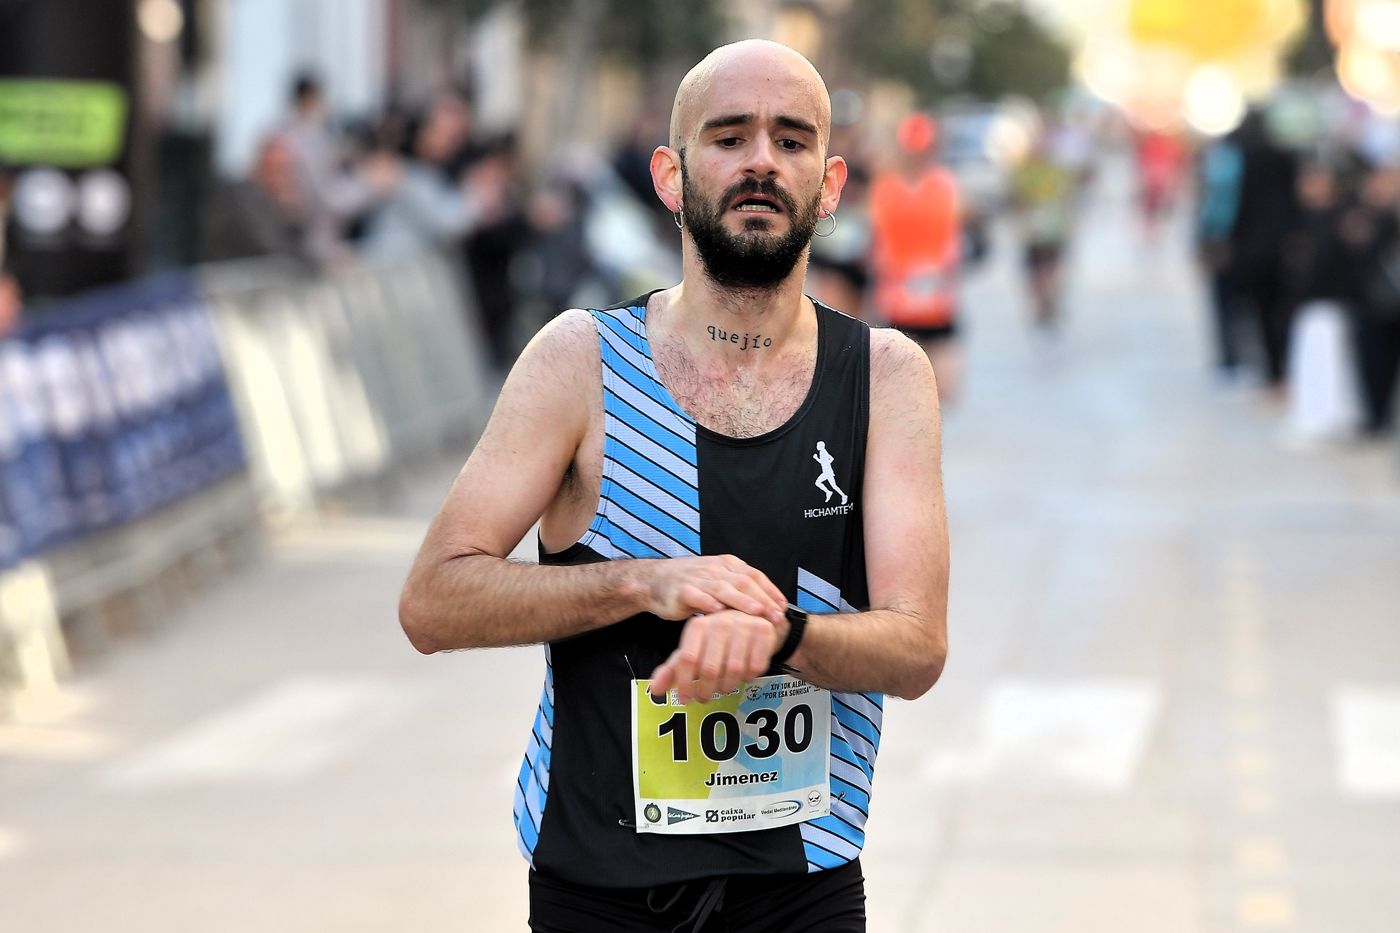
753, 259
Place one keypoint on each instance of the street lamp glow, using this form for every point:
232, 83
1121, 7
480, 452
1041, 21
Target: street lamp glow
1213, 102
1379, 22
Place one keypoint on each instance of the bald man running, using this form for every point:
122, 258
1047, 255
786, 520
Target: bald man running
719, 637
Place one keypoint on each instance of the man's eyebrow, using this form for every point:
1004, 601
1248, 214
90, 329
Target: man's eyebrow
731, 119
739, 119
796, 123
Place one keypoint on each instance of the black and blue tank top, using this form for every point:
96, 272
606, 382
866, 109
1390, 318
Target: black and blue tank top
787, 502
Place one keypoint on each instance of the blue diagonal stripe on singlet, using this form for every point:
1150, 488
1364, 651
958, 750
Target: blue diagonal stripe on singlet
835, 839
663, 522
625, 542
833, 836
620, 432
662, 411
651, 471
532, 785
810, 602
619, 360
853, 719
638, 528
641, 486
624, 332
642, 424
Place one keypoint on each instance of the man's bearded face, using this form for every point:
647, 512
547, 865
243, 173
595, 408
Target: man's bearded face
754, 258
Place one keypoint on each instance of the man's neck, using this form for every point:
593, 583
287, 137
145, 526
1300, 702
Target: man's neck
739, 326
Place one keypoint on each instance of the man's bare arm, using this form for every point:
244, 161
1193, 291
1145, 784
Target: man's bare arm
900, 645
463, 593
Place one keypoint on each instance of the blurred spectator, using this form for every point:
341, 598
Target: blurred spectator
916, 239
10, 305
1161, 160
631, 161
333, 194
259, 216
1267, 207
1043, 192
838, 273
1221, 173
1322, 394
559, 260
1372, 232
491, 247
426, 208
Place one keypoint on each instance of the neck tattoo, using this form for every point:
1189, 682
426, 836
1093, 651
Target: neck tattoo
740, 340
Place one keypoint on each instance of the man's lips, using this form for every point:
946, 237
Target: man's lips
757, 204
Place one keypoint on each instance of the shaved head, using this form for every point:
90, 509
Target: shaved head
753, 60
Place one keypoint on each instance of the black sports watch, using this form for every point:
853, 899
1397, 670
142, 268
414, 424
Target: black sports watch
797, 624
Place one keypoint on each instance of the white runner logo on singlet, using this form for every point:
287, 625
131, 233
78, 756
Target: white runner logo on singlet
826, 482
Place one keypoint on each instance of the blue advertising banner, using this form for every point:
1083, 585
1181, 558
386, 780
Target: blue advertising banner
112, 404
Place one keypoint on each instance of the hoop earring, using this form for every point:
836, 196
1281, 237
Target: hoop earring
678, 217
826, 216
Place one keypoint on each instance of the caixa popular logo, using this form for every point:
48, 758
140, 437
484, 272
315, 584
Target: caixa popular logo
781, 809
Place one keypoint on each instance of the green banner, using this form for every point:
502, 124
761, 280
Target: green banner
71, 124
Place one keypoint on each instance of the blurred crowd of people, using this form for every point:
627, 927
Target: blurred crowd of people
414, 179
1302, 253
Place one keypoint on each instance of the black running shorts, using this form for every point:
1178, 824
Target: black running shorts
831, 901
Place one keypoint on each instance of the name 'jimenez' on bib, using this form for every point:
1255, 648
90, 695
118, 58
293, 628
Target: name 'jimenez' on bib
755, 758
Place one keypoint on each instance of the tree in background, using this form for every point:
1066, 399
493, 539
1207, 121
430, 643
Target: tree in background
944, 48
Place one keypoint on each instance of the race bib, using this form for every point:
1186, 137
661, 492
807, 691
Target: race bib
752, 759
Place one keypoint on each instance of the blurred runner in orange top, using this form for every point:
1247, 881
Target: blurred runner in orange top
916, 248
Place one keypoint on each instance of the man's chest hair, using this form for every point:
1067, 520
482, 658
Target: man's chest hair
746, 402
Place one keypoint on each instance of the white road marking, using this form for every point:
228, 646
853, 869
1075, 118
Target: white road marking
1086, 734
10, 843
1366, 729
286, 733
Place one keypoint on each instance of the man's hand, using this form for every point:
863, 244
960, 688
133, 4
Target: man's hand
718, 652
688, 586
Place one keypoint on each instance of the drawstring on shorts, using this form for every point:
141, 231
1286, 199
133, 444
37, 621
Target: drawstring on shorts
711, 901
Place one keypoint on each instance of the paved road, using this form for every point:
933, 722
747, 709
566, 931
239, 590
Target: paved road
1172, 703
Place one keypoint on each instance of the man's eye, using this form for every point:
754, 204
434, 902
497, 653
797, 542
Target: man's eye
791, 145
729, 142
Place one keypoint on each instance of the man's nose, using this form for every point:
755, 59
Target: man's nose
762, 156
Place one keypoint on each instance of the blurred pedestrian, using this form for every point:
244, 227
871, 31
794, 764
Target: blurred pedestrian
334, 194
1372, 231
1321, 386
263, 215
11, 305
1043, 193
916, 249
1221, 174
839, 272
697, 458
427, 208
493, 245
1266, 212
1161, 161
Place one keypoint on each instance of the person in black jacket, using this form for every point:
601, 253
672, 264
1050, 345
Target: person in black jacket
1267, 209
1371, 230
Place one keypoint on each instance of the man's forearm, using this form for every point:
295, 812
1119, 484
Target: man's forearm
884, 650
480, 601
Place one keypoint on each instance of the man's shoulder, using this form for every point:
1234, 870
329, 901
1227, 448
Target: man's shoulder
896, 360
568, 334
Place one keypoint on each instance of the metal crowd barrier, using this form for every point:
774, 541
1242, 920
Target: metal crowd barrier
114, 410
145, 428
341, 379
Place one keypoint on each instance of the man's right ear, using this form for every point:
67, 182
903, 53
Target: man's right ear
666, 177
